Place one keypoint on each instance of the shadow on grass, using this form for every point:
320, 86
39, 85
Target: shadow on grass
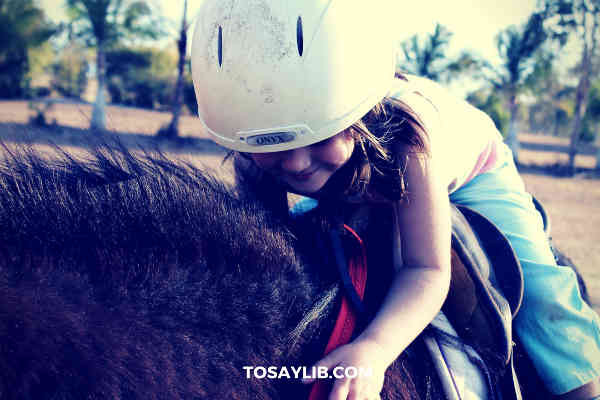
28, 134
69, 136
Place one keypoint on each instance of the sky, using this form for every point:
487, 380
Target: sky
474, 23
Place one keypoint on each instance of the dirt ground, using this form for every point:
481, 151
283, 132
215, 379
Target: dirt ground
573, 204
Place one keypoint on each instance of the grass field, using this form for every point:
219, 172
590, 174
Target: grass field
572, 203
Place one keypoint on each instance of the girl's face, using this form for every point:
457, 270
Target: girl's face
307, 169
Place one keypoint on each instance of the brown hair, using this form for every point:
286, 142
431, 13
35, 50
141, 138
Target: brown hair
384, 138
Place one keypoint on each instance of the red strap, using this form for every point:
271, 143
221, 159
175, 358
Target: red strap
346, 320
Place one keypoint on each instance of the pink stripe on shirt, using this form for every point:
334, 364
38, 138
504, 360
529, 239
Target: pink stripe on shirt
488, 160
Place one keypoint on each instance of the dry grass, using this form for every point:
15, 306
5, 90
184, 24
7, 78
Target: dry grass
119, 119
572, 203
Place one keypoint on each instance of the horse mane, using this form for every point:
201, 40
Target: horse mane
152, 251
129, 275
118, 200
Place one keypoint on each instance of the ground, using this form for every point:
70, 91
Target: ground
573, 203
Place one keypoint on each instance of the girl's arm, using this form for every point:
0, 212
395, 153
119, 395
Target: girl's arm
423, 265
422, 258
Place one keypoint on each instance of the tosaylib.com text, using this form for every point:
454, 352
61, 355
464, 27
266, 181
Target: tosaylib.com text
314, 372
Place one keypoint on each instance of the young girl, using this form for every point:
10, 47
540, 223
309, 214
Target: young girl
304, 91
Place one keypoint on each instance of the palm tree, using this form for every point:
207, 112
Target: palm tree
516, 46
428, 57
102, 23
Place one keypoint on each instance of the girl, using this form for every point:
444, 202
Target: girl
304, 90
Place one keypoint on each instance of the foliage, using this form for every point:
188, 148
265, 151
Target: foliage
553, 105
70, 72
490, 102
568, 17
579, 19
427, 57
591, 120
140, 77
41, 59
22, 26
516, 47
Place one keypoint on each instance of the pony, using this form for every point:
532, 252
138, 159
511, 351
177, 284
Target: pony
133, 276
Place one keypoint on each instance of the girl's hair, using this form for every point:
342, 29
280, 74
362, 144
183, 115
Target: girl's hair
384, 138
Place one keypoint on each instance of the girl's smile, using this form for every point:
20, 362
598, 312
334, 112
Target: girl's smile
307, 169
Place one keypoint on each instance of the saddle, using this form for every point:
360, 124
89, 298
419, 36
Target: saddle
486, 287
485, 293
486, 290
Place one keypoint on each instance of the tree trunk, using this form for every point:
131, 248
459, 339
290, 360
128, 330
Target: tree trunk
173, 129
556, 123
583, 87
98, 122
512, 140
581, 100
598, 151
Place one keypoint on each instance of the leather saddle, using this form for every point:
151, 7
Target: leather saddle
486, 290
486, 287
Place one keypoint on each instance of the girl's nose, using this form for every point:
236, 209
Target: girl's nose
296, 160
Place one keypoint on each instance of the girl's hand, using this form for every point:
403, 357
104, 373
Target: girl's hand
364, 355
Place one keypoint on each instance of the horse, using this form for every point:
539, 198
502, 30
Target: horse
133, 276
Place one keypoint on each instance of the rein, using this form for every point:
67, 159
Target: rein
352, 310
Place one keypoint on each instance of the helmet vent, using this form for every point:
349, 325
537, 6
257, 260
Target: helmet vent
220, 44
299, 37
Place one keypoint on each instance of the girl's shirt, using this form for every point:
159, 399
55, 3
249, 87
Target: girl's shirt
463, 139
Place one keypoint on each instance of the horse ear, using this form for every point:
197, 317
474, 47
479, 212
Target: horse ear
253, 183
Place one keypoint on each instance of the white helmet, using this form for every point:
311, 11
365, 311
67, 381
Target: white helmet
274, 75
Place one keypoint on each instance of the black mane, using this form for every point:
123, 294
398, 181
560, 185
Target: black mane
155, 252
129, 276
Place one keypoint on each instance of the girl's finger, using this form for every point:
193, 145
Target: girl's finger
364, 391
355, 392
340, 389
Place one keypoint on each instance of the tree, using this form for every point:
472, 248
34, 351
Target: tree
22, 26
581, 19
173, 129
516, 46
140, 76
428, 57
102, 24
488, 101
553, 106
